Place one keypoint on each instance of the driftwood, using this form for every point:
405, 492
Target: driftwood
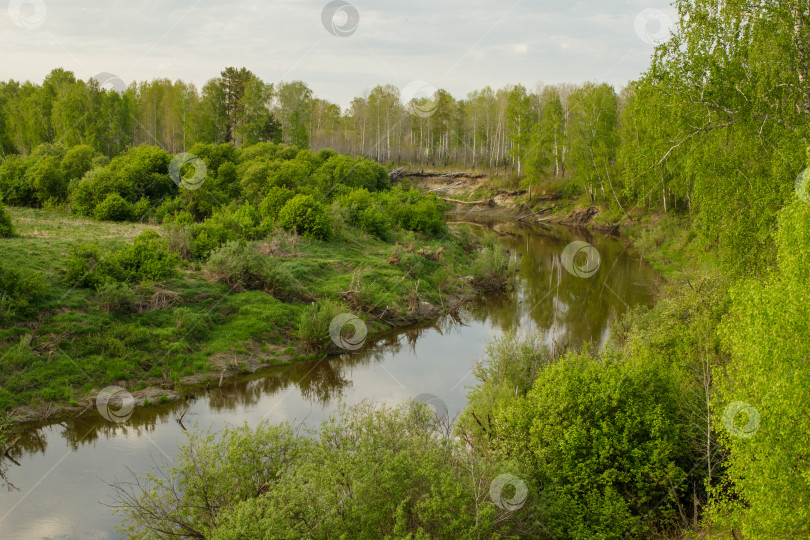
447, 188
538, 213
396, 174
482, 202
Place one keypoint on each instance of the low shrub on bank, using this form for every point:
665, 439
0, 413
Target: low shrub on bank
6, 227
492, 268
313, 326
241, 266
18, 291
304, 215
147, 258
372, 472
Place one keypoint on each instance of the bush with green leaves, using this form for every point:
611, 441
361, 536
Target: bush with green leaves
88, 266
304, 215
113, 208
603, 438
313, 324
147, 258
138, 173
362, 209
19, 289
274, 201
6, 227
77, 161
492, 268
15, 191
240, 265
414, 211
371, 472
116, 295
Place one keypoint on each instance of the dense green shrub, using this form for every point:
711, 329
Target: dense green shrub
18, 291
77, 161
304, 215
46, 178
242, 221
604, 440
113, 208
415, 212
148, 257
275, 200
87, 266
313, 325
138, 173
361, 209
6, 227
15, 191
372, 472
115, 295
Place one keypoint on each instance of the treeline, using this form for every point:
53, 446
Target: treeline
489, 128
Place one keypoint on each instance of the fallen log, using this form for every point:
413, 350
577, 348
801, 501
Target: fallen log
399, 173
482, 202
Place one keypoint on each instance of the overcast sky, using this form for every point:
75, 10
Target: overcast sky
453, 44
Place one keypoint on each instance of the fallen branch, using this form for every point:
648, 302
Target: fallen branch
482, 202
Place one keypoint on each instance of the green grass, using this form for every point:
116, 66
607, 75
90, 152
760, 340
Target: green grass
69, 348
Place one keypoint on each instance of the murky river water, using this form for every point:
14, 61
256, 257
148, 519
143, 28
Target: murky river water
57, 480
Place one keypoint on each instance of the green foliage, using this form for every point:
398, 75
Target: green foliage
19, 290
6, 227
415, 212
139, 173
240, 265
492, 268
114, 208
147, 258
304, 215
88, 267
313, 324
373, 472
509, 369
602, 439
362, 209
766, 334
274, 201
115, 295
77, 161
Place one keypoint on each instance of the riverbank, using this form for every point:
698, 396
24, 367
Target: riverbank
201, 327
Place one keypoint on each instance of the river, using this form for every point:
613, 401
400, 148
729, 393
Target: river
57, 482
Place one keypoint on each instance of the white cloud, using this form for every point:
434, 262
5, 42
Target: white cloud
456, 45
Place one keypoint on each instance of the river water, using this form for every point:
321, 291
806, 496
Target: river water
57, 481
